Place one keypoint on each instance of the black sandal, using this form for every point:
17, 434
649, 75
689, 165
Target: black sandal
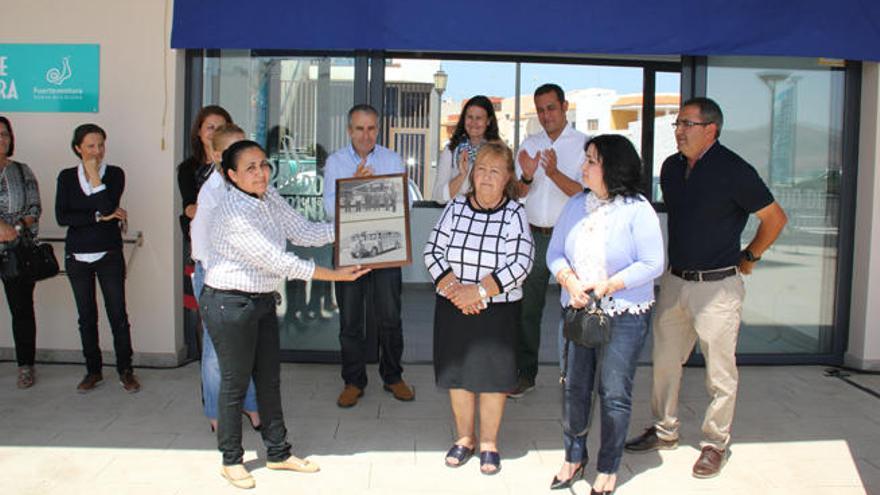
490, 459
459, 453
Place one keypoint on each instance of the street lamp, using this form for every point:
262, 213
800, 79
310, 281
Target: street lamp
440, 80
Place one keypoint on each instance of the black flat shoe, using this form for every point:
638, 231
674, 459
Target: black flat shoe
594, 492
489, 458
459, 453
251, 421
577, 475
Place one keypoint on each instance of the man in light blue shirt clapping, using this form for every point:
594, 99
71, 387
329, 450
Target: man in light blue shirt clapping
363, 158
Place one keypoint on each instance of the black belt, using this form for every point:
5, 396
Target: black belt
704, 275
542, 230
250, 295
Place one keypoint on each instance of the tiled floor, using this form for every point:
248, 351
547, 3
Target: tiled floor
796, 432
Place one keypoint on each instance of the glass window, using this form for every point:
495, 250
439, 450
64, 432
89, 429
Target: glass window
667, 99
423, 100
297, 108
785, 117
609, 96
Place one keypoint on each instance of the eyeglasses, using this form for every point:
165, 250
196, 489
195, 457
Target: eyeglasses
689, 123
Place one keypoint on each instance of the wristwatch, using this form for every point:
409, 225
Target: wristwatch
749, 256
483, 294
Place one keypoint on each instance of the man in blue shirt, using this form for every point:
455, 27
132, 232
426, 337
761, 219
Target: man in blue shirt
380, 289
709, 192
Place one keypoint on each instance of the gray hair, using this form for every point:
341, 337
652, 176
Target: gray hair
709, 111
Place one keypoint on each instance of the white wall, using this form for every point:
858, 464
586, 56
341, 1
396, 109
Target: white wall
864, 332
141, 100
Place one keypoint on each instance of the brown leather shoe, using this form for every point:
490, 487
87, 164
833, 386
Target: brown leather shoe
401, 391
649, 441
89, 382
710, 462
349, 396
129, 383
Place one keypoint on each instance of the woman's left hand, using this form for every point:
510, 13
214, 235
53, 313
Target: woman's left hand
466, 297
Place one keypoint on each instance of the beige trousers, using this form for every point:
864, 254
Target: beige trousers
687, 311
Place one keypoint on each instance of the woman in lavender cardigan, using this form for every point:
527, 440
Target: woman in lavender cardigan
607, 241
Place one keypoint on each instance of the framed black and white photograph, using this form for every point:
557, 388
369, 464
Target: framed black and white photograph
372, 221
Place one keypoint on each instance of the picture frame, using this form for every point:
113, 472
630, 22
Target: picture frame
372, 222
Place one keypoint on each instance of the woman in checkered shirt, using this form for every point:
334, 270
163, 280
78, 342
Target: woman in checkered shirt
479, 254
249, 259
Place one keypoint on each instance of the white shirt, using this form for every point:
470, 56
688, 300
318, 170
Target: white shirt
211, 195
250, 242
88, 190
545, 200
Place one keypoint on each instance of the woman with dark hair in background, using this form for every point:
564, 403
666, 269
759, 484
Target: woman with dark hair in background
476, 125
195, 170
249, 259
19, 215
87, 203
606, 241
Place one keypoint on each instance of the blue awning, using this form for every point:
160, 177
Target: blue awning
848, 29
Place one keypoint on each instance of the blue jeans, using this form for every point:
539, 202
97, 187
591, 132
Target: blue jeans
210, 365
619, 359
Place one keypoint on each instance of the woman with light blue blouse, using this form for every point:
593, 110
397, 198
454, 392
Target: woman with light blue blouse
607, 243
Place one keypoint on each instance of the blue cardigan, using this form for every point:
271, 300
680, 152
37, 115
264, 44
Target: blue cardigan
634, 247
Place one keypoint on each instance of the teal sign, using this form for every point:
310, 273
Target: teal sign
49, 78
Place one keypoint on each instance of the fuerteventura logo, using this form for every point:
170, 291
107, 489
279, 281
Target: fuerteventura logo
57, 76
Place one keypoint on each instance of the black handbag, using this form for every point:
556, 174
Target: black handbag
589, 326
36, 260
8, 263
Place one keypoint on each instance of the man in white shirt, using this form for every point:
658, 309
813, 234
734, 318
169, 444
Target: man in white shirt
549, 167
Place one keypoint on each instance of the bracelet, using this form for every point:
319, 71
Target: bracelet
526, 181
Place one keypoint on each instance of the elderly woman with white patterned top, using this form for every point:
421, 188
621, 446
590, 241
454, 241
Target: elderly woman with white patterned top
478, 255
607, 243
249, 235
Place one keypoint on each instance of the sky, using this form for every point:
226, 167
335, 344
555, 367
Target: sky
467, 79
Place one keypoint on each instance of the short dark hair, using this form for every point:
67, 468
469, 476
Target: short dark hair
621, 165
460, 134
709, 111
362, 107
195, 141
551, 88
5, 121
230, 156
81, 132
500, 149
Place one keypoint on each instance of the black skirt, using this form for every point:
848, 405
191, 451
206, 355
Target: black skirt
478, 352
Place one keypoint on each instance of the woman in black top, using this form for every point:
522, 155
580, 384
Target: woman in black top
87, 202
195, 170
19, 212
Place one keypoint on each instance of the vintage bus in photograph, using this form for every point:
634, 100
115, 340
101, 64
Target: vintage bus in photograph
371, 244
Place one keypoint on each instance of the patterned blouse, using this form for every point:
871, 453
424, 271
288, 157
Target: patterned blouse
473, 243
249, 238
19, 195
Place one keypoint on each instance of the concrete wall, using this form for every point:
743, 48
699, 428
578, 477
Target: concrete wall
141, 101
864, 332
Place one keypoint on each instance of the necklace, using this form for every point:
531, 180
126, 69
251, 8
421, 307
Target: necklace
483, 208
